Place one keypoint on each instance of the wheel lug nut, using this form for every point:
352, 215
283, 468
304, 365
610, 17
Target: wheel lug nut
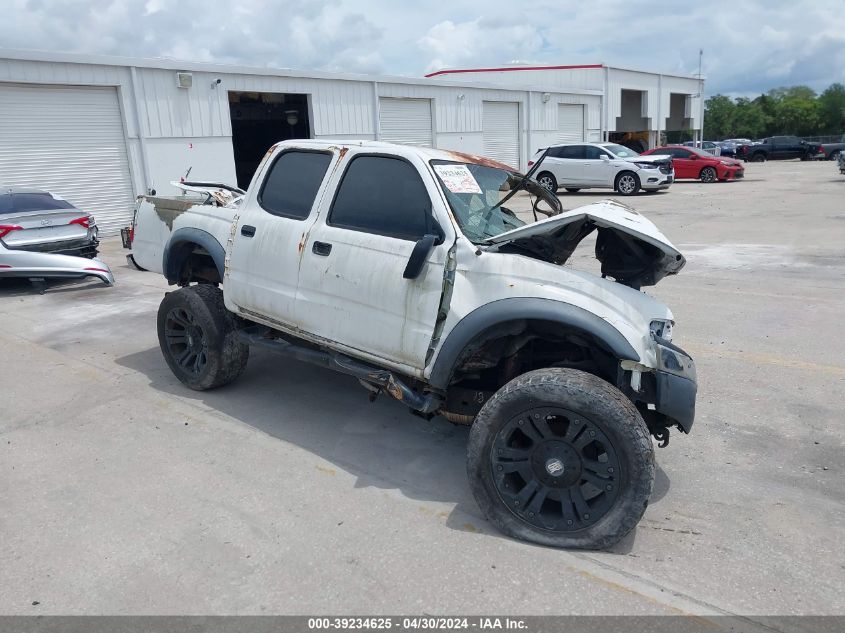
516, 503
586, 516
610, 470
501, 467
609, 487
521, 422
569, 522
536, 416
592, 433
531, 514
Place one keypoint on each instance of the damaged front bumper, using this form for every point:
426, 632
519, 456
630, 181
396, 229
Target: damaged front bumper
675, 385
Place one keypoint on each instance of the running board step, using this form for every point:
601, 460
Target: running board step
261, 336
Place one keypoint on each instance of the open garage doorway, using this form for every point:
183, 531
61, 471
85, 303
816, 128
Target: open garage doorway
679, 121
260, 119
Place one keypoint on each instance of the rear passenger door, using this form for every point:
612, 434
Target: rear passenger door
351, 291
568, 162
266, 242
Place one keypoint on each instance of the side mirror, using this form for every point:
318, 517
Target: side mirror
693, 156
422, 249
605, 157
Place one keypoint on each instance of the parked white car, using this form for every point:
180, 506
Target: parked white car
576, 166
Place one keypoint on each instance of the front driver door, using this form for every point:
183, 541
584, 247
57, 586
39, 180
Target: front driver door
351, 287
684, 164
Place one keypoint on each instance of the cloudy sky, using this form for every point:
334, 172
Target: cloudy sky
749, 45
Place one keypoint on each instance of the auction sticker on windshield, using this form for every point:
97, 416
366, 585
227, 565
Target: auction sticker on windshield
457, 178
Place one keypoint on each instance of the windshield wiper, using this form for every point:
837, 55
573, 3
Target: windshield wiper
519, 186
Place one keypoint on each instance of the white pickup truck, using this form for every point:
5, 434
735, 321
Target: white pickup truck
404, 268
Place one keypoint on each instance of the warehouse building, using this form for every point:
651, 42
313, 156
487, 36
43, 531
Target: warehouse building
101, 130
636, 105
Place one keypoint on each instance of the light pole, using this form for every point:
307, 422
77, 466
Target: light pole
701, 97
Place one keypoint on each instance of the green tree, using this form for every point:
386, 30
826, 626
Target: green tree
719, 113
750, 121
804, 93
794, 115
832, 110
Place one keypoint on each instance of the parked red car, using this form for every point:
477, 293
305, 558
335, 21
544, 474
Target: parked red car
691, 162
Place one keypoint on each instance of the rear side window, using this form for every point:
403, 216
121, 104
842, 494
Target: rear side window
382, 195
293, 182
570, 151
594, 153
22, 202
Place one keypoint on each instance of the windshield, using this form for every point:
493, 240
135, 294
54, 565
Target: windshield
621, 151
474, 191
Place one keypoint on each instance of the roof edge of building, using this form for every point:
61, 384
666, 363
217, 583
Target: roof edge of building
455, 71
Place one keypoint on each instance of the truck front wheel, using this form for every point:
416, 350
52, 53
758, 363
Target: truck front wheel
197, 337
561, 458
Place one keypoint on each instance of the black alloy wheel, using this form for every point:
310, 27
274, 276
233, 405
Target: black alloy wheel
186, 341
555, 469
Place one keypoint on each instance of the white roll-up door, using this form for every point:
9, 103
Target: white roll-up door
405, 121
70, 141
570, 123
500, 126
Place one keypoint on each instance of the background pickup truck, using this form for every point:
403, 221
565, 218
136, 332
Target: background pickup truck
833, 150
404, 268
779, 148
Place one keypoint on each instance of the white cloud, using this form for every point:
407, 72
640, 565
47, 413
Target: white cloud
453, 44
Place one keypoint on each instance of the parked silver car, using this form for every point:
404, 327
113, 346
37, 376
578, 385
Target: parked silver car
41, 221
40, 266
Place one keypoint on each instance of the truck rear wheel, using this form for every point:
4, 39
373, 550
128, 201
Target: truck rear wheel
560, 457
197, 337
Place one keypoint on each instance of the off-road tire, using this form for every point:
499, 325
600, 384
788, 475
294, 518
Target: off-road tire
621, 186
225, 356
604, 408
547, 180
758, 157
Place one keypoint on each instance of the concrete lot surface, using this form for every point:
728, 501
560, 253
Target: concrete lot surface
288, 492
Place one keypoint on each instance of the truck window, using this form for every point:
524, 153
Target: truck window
292, 184
382, 195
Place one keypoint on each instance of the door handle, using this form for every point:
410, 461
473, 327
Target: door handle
247, 230
321, 248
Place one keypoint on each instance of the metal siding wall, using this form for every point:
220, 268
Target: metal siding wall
339, 107
552, 80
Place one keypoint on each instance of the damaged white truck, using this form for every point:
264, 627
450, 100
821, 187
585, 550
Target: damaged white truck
404, 268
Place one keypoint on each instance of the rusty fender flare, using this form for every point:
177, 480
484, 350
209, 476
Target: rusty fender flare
179, 248
519, 309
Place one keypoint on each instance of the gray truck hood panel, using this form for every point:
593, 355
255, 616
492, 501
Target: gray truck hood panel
631, 249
